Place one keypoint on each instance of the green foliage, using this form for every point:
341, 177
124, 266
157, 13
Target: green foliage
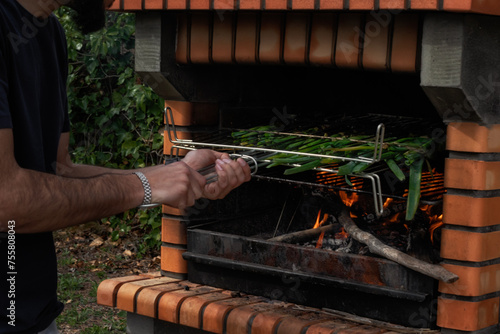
115, 119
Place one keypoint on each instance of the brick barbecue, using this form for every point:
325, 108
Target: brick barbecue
211, 59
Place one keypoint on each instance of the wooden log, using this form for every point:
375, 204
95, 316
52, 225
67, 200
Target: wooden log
378, 247
304, 235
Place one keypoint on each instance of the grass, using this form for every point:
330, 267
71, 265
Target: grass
81, 268
78, 291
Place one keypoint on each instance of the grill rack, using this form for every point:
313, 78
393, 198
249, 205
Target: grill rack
219, 141
259, 153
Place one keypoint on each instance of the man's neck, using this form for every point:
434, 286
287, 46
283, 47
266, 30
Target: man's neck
40, 8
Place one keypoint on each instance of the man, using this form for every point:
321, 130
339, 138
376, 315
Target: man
41, 190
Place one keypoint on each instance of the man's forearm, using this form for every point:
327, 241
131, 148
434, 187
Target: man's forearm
51, 202
79, 171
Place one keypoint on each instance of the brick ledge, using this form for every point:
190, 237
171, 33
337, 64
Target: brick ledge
214, 310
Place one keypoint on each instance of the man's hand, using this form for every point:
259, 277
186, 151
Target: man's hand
179, 184
231, 173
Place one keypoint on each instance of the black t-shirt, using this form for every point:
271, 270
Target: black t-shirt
33, 103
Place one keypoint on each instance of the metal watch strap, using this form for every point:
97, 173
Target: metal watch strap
146, 186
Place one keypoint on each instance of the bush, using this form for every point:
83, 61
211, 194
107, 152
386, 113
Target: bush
115, 119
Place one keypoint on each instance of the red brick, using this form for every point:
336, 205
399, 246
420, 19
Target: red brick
154, 274
303, 4
167, 144
188, 113
276, 4
125, 297
471, 211
424, 4
361, 4
240, 318
153, 4
469, 246
176, 4
490, 7
172, 211
200, 29
224, 4
375, 45
405, 43
347, 49
199, 4
173, 231
107, 290
270, 38
172, 260
132, 4
392, 4
246, 38
268, 321
322, 38
190, 313
115, 6
147, 298
473, 281
329, 327
331, 4
181, 52
472, 174
222, 39
295, 38
472, 137
170, 302
467, 316
214, 315
250, 4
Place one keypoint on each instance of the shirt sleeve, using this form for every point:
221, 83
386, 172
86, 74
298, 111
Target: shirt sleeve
5, 117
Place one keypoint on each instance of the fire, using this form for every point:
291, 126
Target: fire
318, 223
342, 234
348, 198
388, 202
319, 244
436, 221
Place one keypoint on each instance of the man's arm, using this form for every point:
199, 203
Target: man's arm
66, 168
231, 174
41, 202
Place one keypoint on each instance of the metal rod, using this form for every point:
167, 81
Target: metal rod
281, 215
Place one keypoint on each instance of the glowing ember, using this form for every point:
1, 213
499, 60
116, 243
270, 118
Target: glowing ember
342, 235
319, 244
388, 202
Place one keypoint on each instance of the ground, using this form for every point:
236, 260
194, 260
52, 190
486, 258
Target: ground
87, 256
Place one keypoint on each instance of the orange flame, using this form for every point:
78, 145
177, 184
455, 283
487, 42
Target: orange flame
348, 198
388, 202
320, 240
318, 223
436, 221
342, 234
